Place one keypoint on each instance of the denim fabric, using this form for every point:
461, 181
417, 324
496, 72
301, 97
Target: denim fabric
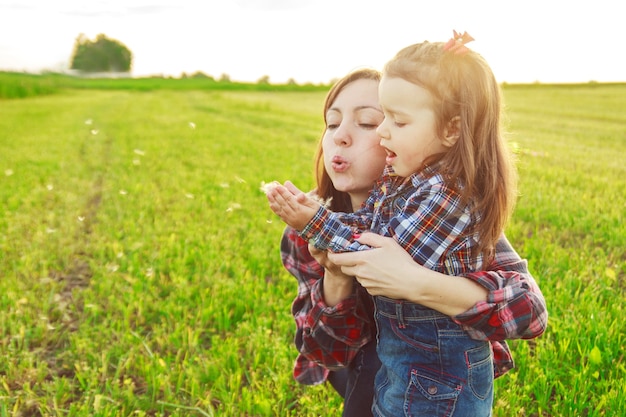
430, 366
356, 383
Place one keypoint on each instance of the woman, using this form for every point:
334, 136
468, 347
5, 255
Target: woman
334, 313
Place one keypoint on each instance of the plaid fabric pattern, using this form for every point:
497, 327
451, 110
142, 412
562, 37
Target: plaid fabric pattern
329, 338
423, 214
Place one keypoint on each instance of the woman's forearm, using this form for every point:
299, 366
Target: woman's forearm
447, 294
336, 288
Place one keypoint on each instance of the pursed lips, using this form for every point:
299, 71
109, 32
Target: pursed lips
339, 163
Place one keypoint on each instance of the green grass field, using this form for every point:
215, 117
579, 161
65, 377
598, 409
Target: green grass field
139, 263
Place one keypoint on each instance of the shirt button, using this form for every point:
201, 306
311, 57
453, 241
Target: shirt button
432, 390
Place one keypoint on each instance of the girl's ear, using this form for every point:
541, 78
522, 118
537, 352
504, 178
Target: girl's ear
452, 132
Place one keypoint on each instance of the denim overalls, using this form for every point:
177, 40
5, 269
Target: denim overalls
430, 366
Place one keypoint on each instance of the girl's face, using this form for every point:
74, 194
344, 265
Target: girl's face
409, 131
353, 156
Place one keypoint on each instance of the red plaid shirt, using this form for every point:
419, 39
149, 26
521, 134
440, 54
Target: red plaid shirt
328, 338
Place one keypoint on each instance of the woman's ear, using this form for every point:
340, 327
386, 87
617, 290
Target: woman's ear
452, 132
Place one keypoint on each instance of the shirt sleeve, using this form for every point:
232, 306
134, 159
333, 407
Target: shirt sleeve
515, 307
435, 228
327, 336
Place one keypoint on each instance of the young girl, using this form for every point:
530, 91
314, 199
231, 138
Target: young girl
445, 197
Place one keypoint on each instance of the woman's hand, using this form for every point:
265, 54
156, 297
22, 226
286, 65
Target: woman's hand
388, 270
337, 285
383, 269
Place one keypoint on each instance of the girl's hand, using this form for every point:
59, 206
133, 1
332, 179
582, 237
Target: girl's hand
293, 206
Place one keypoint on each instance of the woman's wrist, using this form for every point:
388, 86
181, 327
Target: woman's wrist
448, 294
336, 287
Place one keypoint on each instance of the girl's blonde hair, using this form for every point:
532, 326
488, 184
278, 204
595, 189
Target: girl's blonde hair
340, 201
463, 86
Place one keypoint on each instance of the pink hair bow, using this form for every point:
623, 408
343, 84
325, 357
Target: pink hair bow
456, 44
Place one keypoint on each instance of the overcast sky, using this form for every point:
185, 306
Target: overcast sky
319, 40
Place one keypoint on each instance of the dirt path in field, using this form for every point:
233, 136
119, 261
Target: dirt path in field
77, 276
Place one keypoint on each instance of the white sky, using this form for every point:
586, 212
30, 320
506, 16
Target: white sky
319, 40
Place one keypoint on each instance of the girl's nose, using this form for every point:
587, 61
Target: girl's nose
342, 136
382, 131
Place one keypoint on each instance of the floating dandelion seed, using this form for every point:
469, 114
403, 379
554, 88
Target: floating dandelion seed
50, 187
189, 195
240, 180
94, 131
8, 172
136, 162
88, 122
123, 192
149, 272
50, 230
192, 125
224, 185
267, 187
268, 221
81, 218
233, 207
139, 152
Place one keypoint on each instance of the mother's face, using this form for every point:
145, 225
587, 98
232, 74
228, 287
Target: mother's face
353, 156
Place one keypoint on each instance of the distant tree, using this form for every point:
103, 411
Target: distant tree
200, 74
100, 55
264, 80
225, 78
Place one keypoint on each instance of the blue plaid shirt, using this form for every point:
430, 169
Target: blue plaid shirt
422, 212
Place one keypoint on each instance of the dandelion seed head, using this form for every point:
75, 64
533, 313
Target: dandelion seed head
269, 186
